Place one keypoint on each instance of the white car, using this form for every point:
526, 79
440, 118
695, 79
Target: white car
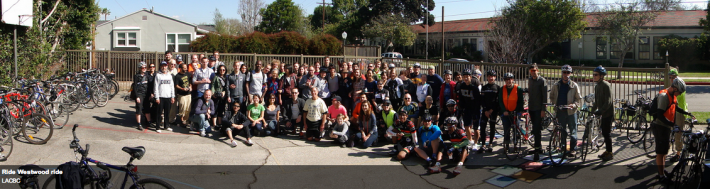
392, 57
458, 60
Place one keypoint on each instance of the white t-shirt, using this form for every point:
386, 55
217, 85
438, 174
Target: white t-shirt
256, 83
315, 108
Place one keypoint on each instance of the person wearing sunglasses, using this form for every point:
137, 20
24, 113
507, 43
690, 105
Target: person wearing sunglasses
150, 105
221, 93
490, 108
603, 107
537, 96
510, 100
431, 146
566, 93
235, 121
140, 88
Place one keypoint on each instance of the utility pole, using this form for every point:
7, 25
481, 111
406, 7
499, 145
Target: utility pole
426, 48
323, 21
442, 35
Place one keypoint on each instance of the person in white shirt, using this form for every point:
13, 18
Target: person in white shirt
316, 115
256, 80
164, 91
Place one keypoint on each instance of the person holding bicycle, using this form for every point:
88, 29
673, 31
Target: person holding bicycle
510, 100
603, 107
679, 119
664, 121
537, 96
566, 97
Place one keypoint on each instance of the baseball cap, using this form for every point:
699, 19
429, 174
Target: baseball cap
212, 58
179, 58
427, 118
417, 65
337, 98
466, 72
391, 65
402, 111
431, 67
387, 102
163, 63
448, 72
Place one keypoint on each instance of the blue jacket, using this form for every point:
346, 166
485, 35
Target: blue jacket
430, 134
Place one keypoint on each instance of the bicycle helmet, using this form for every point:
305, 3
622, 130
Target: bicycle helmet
451, 102
451, 120
567, 68
141, 64
491, 73
589, 98
478, 73
600, 69
673, 72
679, 84
466, 72
508, 76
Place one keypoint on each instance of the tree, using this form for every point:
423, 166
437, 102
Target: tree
227, 26
249, 12
281, 15
392, 28
332, 16
359, 13
531, 25
105, 12
623, 22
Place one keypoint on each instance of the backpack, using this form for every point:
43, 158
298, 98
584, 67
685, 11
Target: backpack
653, 108
72, 176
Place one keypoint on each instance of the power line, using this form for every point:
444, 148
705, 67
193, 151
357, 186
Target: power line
453, 1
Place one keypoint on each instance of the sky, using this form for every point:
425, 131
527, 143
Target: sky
202, 12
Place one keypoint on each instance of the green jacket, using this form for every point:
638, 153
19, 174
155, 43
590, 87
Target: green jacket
602, 99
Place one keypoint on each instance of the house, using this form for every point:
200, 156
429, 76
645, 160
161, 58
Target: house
593, 45
145, 30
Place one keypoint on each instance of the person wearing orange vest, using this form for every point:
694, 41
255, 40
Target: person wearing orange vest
510, 99
667, 107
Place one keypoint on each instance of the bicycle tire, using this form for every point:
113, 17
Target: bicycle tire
83, 93
636, 128
649, 141
6, 145
91, 103
687, 174
512, 152
585, 145
100, 96
39, 124
160, 183
597, 137
548, 121
499, 126
59, 116
16, 121
113, 88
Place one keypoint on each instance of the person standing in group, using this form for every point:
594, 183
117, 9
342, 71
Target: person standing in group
358, 85
164, 91
435, 81
415, 73
679, 119
407, 86
237, 82
423, 90
511, 101
218, 62
537, 96
273, 89
194, 65
345, 87
203, 79
447, 89
180, 111
603, 107
150, 102
381, 95
316, 116
288, 83
322, 85
470, 100
172, 67
333, 80
212, 63
664, 118
393, 86
168, 56
220, 93
256, 80
566, 93
140, 86
306, 83
491, 109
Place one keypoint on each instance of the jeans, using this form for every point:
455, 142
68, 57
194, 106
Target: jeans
367, 143
507, 124
568, 122
201, 121
256, 129
271, 126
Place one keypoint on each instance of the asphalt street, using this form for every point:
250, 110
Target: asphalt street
186, 160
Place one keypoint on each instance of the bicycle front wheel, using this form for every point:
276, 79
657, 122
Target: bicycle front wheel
547, 121
5, 138
687, 174
37, 128
100, 96
636, 128
585, 145
556, 149
649, 140
151, 183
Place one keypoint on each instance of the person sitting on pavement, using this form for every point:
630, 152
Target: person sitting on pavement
316, 114
459, 142
430, 145
366, 130
340, 130
386, 118
255, 113
335, 109
404, 136
428, 109
204, 110
272, 113
450, 111
235, 120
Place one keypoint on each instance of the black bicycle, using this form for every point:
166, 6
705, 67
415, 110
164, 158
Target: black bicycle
102, 179
688, 172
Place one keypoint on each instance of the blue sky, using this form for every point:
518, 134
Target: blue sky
203, 11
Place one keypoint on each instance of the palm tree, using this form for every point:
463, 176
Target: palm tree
105, 12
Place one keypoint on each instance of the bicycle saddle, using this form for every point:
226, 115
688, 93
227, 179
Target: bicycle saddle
135, 152
30, 167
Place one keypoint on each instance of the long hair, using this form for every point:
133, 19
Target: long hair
272, 96
220, 67
365, 114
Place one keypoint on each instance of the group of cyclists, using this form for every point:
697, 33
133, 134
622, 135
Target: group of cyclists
415, 111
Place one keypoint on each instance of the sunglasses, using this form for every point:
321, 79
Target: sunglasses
222, 70
566, 72
143, 67
152, 66
427, 120
595, 74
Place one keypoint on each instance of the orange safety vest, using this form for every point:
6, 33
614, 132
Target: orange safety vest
670, 112
510, 100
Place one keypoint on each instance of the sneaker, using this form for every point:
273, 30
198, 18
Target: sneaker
140, 127
458, 169
606, 156
481, 150
234, 144
392, 153
202, 133
474, 147
436, 168
571, 154
157, 131
169, 129
249, 142
675, 158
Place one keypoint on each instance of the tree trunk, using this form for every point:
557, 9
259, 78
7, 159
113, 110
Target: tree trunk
621, 63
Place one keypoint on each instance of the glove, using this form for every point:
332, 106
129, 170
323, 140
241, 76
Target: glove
598, 113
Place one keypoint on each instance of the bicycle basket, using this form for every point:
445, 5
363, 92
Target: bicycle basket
631, 110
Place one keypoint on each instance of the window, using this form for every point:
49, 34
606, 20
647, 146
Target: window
182, 41
644, 48
145, 17
601, 47
616, 50
657, 55
126, 39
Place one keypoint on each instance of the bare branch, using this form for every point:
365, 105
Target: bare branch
50, 12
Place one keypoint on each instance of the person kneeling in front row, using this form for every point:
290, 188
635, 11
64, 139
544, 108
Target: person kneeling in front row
204, 110
340, 130
235, 120
431, 143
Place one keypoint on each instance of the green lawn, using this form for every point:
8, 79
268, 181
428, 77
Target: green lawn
701, 116
695, 74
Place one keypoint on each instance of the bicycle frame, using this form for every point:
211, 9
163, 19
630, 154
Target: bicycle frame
134, 177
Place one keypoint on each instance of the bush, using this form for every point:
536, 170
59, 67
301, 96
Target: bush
285, 42
289, 42
256, 42
212, 42
325, 45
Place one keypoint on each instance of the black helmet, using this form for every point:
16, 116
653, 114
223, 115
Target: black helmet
466, 72
491, 73
508, 76
600, 69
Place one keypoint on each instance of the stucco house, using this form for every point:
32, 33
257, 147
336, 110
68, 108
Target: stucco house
145, 30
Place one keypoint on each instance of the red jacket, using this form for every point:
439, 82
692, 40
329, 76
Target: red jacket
452, 85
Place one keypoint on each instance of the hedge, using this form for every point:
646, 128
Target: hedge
286, 42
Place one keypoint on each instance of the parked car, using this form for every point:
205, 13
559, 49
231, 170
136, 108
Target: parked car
392, 57
458, 60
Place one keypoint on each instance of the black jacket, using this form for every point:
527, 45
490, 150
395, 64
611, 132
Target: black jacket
490, 97
140, 82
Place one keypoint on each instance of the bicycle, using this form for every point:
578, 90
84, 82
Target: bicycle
557, 150
591, 140
624, 110
638, 124
688, 172
102, 179
37, 128
6, 145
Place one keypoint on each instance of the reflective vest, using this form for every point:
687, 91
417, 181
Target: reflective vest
389, 119
510, 100
670, 112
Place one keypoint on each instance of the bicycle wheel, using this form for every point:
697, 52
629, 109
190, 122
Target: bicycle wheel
597, 137
37, 128
586, 145
514, 148
90, 102
687, 174
151, 183
499, 126
58, 115
5, 138
556, 149
100, 96
548, 121
636, 128
649, 140
112, 88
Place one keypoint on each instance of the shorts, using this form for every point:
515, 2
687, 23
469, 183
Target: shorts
663, 138
470, 118
406, 149
139, 108
429, 150
147, 105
